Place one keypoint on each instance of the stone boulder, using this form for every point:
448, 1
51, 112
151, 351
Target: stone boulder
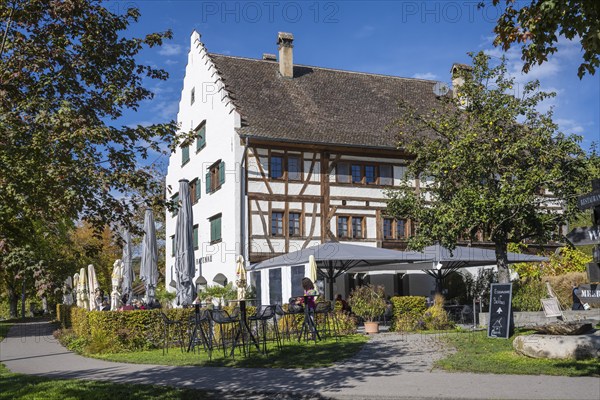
559, 346
563, 328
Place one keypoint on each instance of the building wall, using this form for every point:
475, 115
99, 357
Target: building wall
213, 107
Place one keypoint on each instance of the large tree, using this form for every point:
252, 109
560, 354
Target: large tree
538, 24
68, 71
488, 163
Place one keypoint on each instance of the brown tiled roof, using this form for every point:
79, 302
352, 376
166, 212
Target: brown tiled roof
319, 105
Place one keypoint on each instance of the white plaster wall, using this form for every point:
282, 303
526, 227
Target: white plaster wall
211, 104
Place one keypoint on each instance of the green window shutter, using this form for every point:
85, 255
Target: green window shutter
185, 154
218, 228
172, 246
195, 237
222, 173
198, 189
212, 230
201, 138
208, 182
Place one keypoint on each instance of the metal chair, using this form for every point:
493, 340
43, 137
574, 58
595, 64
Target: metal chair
200, 332
325, 311
263, 315
222, 319
168, 326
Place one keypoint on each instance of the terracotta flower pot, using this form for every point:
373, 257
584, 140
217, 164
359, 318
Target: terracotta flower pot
371, 327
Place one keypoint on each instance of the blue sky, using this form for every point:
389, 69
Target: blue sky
404, 38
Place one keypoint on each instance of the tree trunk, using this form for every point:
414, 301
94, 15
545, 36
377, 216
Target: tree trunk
13, 301
502, 260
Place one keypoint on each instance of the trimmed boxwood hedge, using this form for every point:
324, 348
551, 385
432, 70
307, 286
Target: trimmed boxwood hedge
117, 331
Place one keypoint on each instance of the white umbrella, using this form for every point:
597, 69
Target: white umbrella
116, 278
184, 245
149, 264
128, 275
76, 292
83, 289
312, 268
93, 287
240, 273
68, 291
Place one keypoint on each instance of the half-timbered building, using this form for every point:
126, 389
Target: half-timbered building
289, 156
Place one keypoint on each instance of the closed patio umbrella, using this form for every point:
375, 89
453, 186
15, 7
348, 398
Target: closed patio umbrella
128, 275
76, 295
312, 268
68, 291
93, 287
184, 247
240, 274
83, 289
149, 263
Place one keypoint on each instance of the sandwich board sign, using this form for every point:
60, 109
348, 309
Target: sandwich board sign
500, 310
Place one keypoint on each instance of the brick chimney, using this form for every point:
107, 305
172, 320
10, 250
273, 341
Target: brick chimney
286, 59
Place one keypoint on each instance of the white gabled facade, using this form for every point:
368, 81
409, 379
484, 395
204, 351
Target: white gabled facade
212, 109
250, 200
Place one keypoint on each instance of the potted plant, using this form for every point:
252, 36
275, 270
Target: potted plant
368, 302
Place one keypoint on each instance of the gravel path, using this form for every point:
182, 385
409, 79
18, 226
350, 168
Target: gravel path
400, 352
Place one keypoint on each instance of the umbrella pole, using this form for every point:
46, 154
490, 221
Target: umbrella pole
331, 280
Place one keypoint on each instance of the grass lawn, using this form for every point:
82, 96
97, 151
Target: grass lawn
478, 353
292, 355
21, 387
18, 386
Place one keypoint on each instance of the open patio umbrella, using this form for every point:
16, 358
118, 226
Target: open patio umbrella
128, 275
334, 259
93, 287
84, 293
240, 278
445, 261
184, 247
149, 264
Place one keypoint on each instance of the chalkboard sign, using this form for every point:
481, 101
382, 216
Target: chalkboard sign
500, 310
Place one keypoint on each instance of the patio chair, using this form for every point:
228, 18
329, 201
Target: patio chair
168, 326
263, 315
200, 332
466, 315
325, 316
226, 324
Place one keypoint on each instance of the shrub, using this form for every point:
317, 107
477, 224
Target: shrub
435, 317
408, 313
562, 286
368, 302
527, 294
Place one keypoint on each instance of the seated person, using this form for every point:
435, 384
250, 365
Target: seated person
310, 291
344, 303
125, 306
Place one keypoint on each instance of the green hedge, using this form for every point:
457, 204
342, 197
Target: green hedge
408, 313
63, 315
117, 331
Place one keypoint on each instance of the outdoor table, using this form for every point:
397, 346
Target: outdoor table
206, 339
308, 324
242, 330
